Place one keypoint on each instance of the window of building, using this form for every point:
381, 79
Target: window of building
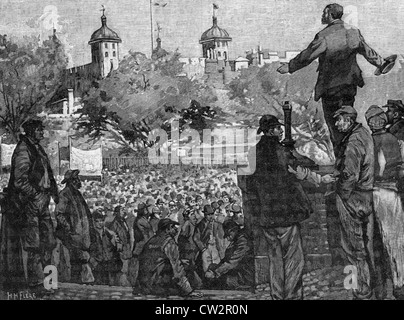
219, 54
114, 53
218, 43
106, 54
106, 46
113, 46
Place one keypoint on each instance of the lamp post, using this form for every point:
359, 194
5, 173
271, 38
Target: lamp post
287, 111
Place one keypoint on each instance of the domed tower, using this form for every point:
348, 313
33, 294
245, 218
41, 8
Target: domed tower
215, 41
105, 48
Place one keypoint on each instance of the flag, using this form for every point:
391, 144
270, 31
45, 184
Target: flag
215, 6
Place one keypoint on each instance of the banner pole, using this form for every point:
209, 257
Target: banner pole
1, 155
59, 164
70, 151
102, 167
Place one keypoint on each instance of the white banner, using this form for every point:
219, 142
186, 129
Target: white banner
89, 162
6, 154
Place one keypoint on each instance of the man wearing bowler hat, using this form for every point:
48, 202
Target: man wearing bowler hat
339, 75
236, 270
275, 203
161, 272
74, 225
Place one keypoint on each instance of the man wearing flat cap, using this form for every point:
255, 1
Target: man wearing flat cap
27, 223
161, 272
236, 270
395, 120
275, 203
104, 250
389, 214
74, 225
354, 195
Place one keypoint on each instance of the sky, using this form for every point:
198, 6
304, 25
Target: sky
278, 25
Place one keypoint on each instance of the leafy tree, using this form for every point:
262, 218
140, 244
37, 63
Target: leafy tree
262, 90
30, 73
141, 95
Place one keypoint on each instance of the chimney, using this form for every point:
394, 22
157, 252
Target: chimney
70, 100
260, 56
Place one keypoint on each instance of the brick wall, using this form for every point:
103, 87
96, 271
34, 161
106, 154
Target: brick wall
315, 235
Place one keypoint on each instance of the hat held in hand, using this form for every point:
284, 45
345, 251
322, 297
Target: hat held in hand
386, 67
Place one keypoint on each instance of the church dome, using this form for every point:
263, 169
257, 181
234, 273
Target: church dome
104, 33
215, 33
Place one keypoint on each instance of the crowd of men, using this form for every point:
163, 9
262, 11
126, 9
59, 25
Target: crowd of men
194, 232
188, 231
177, 243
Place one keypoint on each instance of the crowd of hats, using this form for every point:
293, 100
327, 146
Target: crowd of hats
157, 184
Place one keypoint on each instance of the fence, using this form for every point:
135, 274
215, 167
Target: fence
114, 163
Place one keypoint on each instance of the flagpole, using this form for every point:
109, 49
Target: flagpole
151, 27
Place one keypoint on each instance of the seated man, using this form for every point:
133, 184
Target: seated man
236, 270
161, 271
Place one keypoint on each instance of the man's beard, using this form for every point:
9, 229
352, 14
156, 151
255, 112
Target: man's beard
345, 127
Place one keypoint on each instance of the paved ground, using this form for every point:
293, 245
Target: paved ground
323, 284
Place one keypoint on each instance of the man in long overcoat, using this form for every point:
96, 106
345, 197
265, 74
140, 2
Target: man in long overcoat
354, 195
275, 204
74, 225
27, 223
